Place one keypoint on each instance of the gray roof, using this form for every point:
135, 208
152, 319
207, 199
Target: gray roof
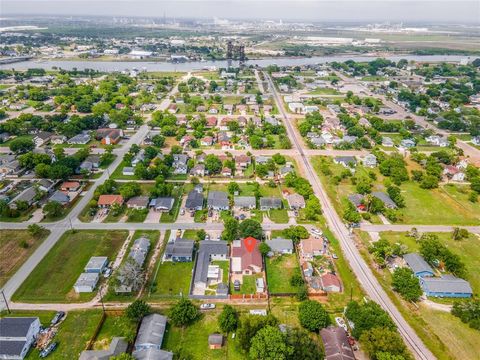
417, 263
245, 201
387, 201
272, 202
207, 248
152, 354
217, 199
163, 202
280, 244
215, 339
336, 344
296, 200
60, 196
355, 199
79, 139
117, 346
151, 330
87, 279
139, 250
26, 195
96, 262
346, 160
180, 248
9, 347
15, 326
194, 200
446, 284
138, 201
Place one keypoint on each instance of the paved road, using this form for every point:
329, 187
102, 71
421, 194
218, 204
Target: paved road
358, 265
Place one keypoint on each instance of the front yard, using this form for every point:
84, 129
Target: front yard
280, 270
53, 279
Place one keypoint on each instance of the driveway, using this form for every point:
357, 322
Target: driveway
37, 216
153, 217
186, 217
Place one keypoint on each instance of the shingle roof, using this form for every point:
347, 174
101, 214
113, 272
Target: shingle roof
417, 263
385, 199
280, 244
271, 202
446, 284
207, 248
217, 199
15, 326
180, 248
11, 347
151, 330
194, 200
244, 201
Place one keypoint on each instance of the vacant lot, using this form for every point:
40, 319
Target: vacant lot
18, 245
53, 279
280, 270
192, 342
172, 279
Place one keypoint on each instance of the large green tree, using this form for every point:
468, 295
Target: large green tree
312, 315
184, 312
251, 228
380, 340
228, 319
406, 284
269, 343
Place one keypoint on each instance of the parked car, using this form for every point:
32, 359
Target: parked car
107, 272
341, 323
207, 306
334, 256
182, 211
57, 318
236, 285
48, 350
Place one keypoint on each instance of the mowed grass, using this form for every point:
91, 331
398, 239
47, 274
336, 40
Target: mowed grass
280, 270
172, 279
192, 341
279, 216
53, 279
248, 285
73, 334
16, 246
467, 249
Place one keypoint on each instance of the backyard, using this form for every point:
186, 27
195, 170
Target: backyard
53, 279
280, 270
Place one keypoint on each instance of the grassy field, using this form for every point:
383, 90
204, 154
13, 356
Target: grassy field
447, 205
248, 285
53, 279
73, 333
192, 341
325, 91
172, 279
137, 216
111, 328
279, 216
445, 335
19, 245
280, 270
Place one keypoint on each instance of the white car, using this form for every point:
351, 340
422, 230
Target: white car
315, 231
207, 306
341, 323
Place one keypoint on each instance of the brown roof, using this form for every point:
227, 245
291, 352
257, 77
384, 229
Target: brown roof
336, 344
311, 245
70, 185
242, 158
330, 280
138, 201
110, 200
248, 258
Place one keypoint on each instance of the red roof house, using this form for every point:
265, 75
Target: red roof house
246, 259
105, 201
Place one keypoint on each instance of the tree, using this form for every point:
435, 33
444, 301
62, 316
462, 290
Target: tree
313, 209
296, 233
228, 319
213, 164
406, 284
183, 313
53, 209
230, 231
312, 315
137, 310
130, 275
297, 280
129, 190
201, 234
264, 248
381, 340
21, 145
366, 316
460, 233
36, 230
279, 159
269, 343
249, 326
250, 227
233, 187
304, 347
429, 182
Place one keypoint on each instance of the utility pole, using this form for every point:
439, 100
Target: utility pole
101, 300
6, 302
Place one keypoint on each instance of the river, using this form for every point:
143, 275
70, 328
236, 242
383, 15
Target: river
107, 66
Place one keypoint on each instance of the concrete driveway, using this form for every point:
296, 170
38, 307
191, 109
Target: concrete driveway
153, 217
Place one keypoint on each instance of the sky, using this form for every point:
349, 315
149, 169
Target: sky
461, 11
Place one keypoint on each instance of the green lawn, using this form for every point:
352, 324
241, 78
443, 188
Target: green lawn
325, 91
248, 285
111, 327
53, 279
201, 216
171, 216
137, 216
280, 270
111, 218
172, 279
19, 245
225, 266
192, 342
118, 173
279, 216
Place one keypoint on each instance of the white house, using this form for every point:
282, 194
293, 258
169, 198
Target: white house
17, 334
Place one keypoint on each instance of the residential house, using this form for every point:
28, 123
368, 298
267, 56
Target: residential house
311, 247
418, 265
179, 250
205, 273
385, 198
61, 197
295, 201
436, 140
17, 335
243, 161
330, 283
107, 201
206, 141
246, 261
211, 121
218, 200
227, 172
148, 343
138, 158
180, 164
28, 195
80, 139
370, 161
194, 201
45, 185
9, 165
42, 138
262, 160
269, 203
336, 344
454, 173
387, 142
58, 139
109, 136
139, 250
280, 246
198, 170
345, 161
138, 202
86, 282
70, 186
244, 202
96, 264
117, 346
163, 204
357, 201
128, 171
447, 286
285, 170
407, 143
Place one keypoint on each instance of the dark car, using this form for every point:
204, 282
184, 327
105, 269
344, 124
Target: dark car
236, 285
57, 318
48, 350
